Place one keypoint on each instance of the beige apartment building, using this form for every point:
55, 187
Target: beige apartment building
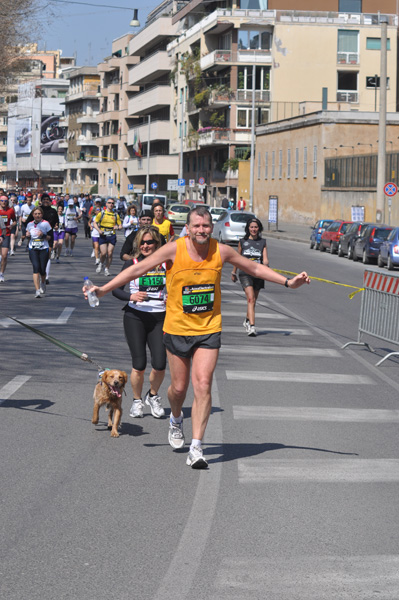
294, 49
113, 118
153, 157
81, 112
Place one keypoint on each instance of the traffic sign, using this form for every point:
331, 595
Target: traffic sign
172, 185
201, 180
191, 183
154, 186
181, 182
390, 189
130, 186
110, 181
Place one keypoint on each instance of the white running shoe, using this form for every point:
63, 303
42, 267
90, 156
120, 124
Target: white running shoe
98, 269
136, 411
97, 261
42, 288
251, 331
1, 278
195, 458
246, 324
175, 434
66, 253
106, 272
154, 402
92, 255
37, 294
12, 253
57, 260
70, 253
19, 243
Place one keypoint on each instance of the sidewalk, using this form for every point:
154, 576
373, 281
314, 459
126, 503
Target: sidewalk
287, 231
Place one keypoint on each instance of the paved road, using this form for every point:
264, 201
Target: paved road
299, 502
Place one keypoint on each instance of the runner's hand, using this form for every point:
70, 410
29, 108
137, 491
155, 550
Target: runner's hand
139, 297
299, 280
97, 290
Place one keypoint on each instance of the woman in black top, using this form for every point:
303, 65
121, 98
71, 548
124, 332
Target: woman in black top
252, 246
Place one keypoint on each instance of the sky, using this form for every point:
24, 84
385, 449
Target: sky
88, 30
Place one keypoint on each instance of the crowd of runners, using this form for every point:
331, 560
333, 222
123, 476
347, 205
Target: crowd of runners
173, 300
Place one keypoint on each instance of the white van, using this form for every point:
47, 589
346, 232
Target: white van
148, 199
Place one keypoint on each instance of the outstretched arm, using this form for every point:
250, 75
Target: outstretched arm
260, 271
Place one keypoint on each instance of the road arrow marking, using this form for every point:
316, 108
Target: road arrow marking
61, 320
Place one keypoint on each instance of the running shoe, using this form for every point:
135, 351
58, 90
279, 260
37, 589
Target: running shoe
66, 252
70, 253
251, 331
42, 288
47, 281
19, 243
246, 324
57, 260
97, 261
175, 434
195, 458
106, 272
52, 255
1, 278
92, 255
136, 410
154, 402
98, 270
37, 294
12, 253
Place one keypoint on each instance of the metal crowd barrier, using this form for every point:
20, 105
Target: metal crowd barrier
379, 311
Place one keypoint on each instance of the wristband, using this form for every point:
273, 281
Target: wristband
286, 282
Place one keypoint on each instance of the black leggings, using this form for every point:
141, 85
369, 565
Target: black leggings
39, 260
142, 329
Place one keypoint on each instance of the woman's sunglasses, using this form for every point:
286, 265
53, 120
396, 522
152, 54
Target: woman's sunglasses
148, 242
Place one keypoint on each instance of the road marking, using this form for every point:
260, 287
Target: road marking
312, 577
277, 351
285, 377
61, 320
271, 330
275, 316
260, 470
310, 413
198, 528
12, 386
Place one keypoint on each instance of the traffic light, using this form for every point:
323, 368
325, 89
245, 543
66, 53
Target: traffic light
118, 186
81, 156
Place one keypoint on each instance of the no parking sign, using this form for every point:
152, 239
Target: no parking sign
390, 189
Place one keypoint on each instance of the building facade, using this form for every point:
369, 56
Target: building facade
80, 119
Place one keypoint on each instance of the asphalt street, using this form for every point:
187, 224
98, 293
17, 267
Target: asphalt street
300, 498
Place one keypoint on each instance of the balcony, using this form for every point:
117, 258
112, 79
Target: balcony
347, 96
348, 58
153, 67
159, 130
218, 137
223, 57
88, 118
86, 141
151, 99
159, 165
151, 35
88, 90
87, 164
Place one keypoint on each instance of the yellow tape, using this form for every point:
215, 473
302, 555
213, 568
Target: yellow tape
351, 295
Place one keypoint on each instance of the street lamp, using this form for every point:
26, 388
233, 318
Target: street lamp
343, 146
362, 144
328, 148
133, 23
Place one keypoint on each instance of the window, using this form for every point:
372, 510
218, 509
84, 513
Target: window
273, 163
350, 6
266, 165
258, 165
262, 78
187, 164
347, 84
254, 40
305, 162
280, 164
185, 128
348, 47
244, 117
288, 163
296, 163
373, 43
314, 161
180, 130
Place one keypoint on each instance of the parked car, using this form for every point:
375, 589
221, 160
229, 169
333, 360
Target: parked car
177, 213
331, 236
345, 244
230, 227
368, 245
389, 251
317, 230
216, 211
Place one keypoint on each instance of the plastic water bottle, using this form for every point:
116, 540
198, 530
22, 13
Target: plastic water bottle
91, 296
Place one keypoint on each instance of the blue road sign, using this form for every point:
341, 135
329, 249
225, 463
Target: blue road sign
181, 182
130, 186
154, 186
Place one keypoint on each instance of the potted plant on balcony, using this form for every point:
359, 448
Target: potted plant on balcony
201, 99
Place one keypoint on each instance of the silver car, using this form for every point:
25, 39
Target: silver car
230, 227
216, 211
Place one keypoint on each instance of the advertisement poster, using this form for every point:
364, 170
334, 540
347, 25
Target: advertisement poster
51, 135
23, 136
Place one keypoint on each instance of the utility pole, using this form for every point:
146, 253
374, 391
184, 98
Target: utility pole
147, 179
381, 164
181, 142
252, 164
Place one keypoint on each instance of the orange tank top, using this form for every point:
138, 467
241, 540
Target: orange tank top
193, 306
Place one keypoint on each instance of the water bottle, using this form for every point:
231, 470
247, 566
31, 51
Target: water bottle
91, 296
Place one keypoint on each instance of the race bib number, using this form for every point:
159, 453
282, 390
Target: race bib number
5, 219
37, 244
107, 232
198, 298
152, 282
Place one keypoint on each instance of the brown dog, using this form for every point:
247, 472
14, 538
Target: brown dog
109, 391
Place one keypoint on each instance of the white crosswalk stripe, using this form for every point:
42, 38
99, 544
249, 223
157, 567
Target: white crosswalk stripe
288, 331
315, 413
273, 316
285, 377
281, 351
12, 386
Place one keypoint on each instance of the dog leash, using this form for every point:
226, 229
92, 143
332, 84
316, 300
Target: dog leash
82, 355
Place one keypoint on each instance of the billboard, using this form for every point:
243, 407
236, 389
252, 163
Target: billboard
51, 135
23, 136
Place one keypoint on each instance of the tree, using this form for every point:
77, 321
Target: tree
19, 24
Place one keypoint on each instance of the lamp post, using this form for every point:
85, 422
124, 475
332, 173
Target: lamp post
363, 144
329, 148
343, 146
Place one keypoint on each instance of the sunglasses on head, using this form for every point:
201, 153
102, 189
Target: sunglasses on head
148, 242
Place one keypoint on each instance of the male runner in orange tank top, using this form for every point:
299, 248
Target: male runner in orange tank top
193, 319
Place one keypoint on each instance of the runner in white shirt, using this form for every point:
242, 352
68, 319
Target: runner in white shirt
72, 216
26, 209
38, 230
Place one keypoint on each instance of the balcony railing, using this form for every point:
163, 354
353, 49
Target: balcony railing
228, 56
345, 96
348, 58
222, 98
